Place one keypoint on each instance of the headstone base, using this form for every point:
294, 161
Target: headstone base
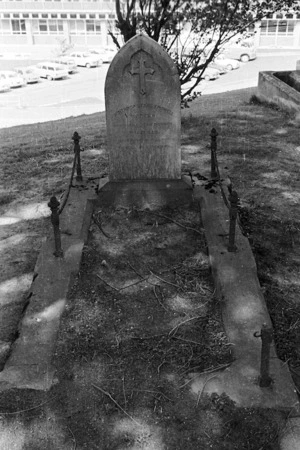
142, 194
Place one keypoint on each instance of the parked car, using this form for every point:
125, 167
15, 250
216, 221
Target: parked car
197, 90
11, 78
228, 63
221, 69
243, 52
4, 86
105, 54
51, 70
85, 59
29, 74
68, 62
210, 73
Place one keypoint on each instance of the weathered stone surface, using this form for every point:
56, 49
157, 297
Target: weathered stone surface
142, 194
272, 89
142, 95
294, 78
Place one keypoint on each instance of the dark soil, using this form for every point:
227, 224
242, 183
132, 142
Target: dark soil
141, 319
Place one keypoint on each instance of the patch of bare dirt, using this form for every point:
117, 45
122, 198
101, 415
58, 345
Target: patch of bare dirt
140, 319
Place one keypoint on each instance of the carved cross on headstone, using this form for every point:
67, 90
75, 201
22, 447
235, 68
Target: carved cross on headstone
142, 71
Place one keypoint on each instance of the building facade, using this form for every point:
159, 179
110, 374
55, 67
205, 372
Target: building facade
86, 23
281, 29
43, 22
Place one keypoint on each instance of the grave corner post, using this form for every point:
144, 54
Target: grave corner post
76, 138
213, 147
54, 205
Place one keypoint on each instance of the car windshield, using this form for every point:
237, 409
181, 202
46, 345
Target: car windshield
86, 54
12, 75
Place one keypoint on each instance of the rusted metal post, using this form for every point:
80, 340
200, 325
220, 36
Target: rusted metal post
53, 205
213, 147
266, 340
233, 211
76, 138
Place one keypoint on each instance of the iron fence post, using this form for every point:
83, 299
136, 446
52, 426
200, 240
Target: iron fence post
213, 147
76, 138
53, 205
233, 211
266, 339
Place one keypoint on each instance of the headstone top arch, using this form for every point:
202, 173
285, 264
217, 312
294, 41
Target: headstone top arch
142, 97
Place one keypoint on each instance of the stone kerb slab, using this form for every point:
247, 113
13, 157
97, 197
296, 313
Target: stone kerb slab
142, 98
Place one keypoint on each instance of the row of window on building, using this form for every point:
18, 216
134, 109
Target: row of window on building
44, 26
110, 15
272, 27
64, 1
92, 26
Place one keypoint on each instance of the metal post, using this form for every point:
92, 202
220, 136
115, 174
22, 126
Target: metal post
213, 147
76, 138
266, 339
233, 211
53, 205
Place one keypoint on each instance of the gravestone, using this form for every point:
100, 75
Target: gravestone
143, 116
142, 98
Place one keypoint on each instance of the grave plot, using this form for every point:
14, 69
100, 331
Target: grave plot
140, 319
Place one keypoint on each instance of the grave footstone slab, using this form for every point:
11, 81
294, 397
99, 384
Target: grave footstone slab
142, 194
142, 97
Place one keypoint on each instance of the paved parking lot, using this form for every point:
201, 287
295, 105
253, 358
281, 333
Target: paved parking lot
83, 92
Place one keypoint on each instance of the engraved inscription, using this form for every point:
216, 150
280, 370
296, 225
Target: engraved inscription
144, 125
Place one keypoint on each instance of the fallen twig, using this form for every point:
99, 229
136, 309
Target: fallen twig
154, 290
124, 393
213, 369
132, 284
154, 392
130, 265
115, 402
29, 409
176, 223
106, 282
98, 223
182, 323
187, 340
165, 281
148, 337
203, 387
75, 445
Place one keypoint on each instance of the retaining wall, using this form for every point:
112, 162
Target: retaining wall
272, 89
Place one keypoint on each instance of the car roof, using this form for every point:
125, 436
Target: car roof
7, 72
49, 63
25, 68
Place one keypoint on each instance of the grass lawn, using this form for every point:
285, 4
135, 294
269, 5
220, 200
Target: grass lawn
259, 149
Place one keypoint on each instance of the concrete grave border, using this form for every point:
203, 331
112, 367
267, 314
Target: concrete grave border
235, 277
